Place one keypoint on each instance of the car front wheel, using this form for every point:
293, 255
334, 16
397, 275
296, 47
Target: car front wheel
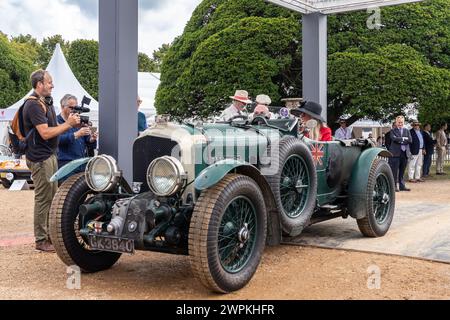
227, 234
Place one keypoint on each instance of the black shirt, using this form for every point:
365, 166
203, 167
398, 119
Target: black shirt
38, 149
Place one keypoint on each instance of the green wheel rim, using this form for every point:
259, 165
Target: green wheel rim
237, 234
381, 199
294, 186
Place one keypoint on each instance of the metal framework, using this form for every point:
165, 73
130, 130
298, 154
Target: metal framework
335, 6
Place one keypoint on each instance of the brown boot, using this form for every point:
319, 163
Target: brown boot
45, 246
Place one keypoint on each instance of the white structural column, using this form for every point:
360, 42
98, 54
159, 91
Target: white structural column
315, 59
118, 66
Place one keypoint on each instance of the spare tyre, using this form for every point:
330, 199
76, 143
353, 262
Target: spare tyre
294, 184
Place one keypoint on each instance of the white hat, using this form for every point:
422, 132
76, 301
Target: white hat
242, 96
263, 99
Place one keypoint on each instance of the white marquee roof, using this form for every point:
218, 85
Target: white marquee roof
335, 6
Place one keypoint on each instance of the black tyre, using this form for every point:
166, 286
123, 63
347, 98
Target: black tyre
380, 200
6, 183
228, 233
294, 185
64, 228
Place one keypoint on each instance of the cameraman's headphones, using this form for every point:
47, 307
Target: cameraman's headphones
47, 100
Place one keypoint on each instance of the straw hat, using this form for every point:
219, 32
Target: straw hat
242, 96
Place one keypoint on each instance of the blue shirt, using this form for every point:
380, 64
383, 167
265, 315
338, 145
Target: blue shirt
419, 135
142, 122
70, 148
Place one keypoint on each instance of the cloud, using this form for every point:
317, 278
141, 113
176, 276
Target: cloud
160, 21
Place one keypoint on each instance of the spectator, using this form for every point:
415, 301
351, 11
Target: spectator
262, 108
41, 151
343, 133
387, 136
441, 149
74, 143
142, 120
312, 110
417, 151
379, 142
240, 100
400, 141
429, 149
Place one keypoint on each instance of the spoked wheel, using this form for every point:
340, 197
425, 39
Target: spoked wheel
227, 233
65, 227
380, 201
294, 185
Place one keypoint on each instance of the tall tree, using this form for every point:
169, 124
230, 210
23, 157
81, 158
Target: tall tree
372, 73
145, 64
15, 69
82, 57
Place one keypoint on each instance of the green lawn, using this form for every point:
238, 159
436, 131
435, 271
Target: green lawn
435, 177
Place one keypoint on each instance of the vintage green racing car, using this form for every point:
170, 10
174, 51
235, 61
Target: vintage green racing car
218, 192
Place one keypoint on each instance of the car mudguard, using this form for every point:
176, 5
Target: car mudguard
359, 180
214, 173
68, 169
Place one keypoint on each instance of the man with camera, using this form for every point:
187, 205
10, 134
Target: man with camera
75, 143
42, 128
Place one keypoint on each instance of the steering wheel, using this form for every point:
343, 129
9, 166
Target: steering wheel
258, 120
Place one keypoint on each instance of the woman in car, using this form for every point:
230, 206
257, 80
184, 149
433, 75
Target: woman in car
312, 110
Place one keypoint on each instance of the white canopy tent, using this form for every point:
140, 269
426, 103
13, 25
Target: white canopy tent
147, 85
64, 82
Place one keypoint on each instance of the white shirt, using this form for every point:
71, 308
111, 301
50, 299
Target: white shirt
230, 112
343, 134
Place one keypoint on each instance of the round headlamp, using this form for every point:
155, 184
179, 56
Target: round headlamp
102, 173
165, 176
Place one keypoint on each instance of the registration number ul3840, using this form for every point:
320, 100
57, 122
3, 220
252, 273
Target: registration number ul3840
111, 244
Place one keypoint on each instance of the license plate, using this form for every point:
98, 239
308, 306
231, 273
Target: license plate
111, 244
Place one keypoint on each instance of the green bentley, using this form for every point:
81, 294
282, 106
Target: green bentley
218, 192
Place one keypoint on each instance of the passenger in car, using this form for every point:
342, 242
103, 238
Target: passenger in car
312, 110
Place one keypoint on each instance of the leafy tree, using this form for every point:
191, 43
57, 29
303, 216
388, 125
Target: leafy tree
15, 70
28, 46
145, 64
159, 55
82, 57
372, 73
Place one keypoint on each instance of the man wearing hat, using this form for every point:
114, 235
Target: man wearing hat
240, 100
262, 108
312, 110
417, 149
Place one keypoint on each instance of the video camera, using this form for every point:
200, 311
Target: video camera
84, 120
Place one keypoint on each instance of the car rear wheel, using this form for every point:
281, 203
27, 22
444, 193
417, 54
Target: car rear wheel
227, 233
65, 228
380, 200
294, 185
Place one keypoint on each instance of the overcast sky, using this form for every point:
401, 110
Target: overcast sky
160, 21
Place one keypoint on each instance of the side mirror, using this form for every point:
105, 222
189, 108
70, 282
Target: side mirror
311, 124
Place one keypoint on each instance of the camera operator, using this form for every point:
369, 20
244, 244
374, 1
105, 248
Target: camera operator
73, 144
40, 123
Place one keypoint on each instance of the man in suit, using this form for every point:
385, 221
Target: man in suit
417, 148
429, 149
400, 141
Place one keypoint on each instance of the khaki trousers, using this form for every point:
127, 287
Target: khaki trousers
44, 191
440, 159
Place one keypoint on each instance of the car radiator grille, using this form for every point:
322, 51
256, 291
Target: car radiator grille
147, 149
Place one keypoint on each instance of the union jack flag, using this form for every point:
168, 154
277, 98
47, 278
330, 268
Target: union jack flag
317, 153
